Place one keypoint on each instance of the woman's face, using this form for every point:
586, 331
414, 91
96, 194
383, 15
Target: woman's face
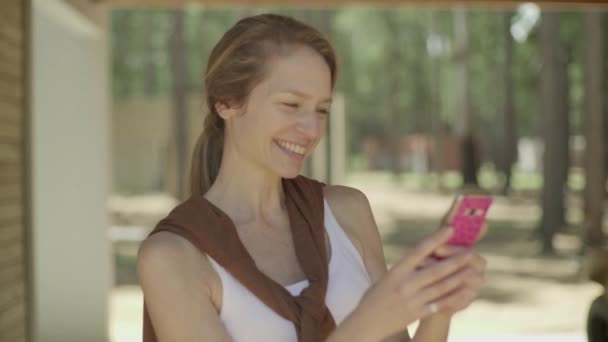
285, 115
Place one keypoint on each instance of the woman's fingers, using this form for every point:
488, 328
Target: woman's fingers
427, 262
446, 251
466, 281
419, 285
423, 277
476, 280
478, 263
482, 233
422, 251
438, 290
454, 293
455, 301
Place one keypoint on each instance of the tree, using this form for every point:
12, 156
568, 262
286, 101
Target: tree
151, 82
562, 166
179, 76
435, 49
605, 91
393, 123
508, 132
594, 129
554, 120
121, 79
470, 154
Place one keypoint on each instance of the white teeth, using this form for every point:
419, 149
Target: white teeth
292, 147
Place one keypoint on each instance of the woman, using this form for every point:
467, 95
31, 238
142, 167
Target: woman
258, 253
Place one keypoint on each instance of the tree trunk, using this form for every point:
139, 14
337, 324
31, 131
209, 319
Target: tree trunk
393, 124
179, 77
469, 151
121, 78
150, 70
508, 132
605, 91
436, 121
552, 198
594, 130
563, 165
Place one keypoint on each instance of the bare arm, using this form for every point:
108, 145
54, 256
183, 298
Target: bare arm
352, 209
176, 281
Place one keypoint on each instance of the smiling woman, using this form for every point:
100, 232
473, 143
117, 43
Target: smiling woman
250, 63
278, 123
260, 253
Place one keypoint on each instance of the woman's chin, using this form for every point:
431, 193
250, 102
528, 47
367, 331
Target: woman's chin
290, 173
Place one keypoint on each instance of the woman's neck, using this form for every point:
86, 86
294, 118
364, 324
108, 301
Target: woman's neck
247, 193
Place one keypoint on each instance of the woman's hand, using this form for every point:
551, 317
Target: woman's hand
462, 297
407, 293
476, 267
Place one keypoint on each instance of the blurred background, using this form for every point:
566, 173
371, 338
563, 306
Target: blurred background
101, 102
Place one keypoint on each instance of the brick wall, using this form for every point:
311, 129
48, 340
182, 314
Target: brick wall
13, 281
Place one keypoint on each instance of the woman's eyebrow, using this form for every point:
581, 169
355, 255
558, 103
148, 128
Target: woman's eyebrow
301, 94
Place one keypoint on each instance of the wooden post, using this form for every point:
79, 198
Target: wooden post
318, 162
337, 136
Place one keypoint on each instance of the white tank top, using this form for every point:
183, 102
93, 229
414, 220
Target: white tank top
248, 319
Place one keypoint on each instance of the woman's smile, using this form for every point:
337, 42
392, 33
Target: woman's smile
294, 151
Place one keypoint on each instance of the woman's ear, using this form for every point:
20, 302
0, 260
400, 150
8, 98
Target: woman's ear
226, 111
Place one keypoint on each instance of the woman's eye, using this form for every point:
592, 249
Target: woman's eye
292, 105
295, 105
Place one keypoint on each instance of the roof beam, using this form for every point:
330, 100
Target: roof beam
558, 4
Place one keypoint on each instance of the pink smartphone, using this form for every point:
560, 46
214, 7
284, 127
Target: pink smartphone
468, 218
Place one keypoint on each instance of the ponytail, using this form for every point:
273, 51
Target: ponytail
207, 155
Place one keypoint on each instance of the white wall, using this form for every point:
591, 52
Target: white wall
71, 254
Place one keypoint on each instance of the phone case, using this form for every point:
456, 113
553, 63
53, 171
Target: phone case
468, 219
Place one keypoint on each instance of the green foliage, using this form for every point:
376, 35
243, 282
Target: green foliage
140, 46
385, 68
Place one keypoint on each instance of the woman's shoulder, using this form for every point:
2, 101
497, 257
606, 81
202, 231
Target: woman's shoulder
166, 247
345, 197
165, 257
352, 210
179, 288
351, 204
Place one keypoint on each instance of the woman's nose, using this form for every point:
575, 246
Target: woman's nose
311, 125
